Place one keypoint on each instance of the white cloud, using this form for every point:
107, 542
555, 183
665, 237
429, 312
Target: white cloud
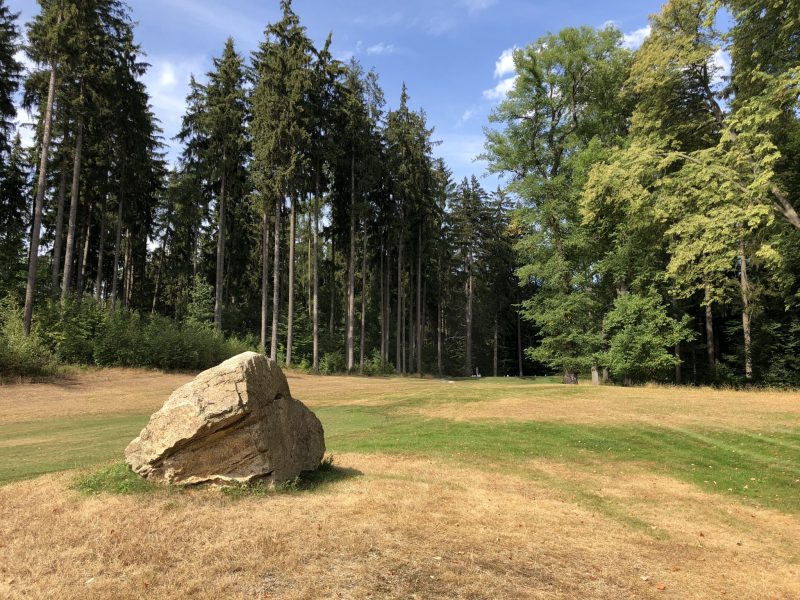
500, 91
381, 48
468, 114
167, 82
505, 64
476, 6
721, 61
634, 39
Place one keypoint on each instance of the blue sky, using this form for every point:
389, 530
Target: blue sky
449, 52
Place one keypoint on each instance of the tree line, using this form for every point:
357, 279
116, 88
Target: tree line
647, 231
301, 209
660, 194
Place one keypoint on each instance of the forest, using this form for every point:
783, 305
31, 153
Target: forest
646, 230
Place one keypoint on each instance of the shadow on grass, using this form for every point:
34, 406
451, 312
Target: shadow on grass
308, 482
119, 479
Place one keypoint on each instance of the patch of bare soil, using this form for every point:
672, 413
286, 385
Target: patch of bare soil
406, 528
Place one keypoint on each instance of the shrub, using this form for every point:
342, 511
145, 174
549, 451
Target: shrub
21, 354
332, 363
374, 365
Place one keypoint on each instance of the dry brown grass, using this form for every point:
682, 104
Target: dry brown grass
407, 528
103, 391
88, 392
127, 390
669, 406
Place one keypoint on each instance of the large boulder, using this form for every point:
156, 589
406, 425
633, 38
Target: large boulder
234, 423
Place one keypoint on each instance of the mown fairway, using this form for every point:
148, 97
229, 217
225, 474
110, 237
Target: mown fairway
475, 489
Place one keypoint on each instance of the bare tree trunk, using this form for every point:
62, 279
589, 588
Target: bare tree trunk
33, 257
363, 297
83, 257
117, 246
264, 277
98, 282
58, 242
710, 347
746, 313
439, 327
351, 268
519, 342
315, 267
158, 271
332, 320
678, 365
383, 307
127, 270
276, 280
220, 274
388, 290
309, 275
468, 324
399, 341
290, 314
73, 213
419, 299
494, 357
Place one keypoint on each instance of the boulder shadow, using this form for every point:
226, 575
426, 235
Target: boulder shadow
325, 475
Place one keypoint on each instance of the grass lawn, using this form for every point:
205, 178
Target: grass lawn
643, 470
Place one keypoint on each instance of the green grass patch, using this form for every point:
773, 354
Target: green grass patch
35, 448
115, 479
759, 468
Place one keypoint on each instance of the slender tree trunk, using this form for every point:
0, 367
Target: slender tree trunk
117, 246
399, 340
419, 299
163, 250
388, 290
220, 275
309, 275
73, 212
439, 327
332, 320
351, 268
101, 243
710, 346
276, 280
290, 314
468, 350
127, 270
58, 242
519, 342
315, 268
494, 357
33, 257
678, 364
746, 313
83, 257
363, 297
383, 306
264, 277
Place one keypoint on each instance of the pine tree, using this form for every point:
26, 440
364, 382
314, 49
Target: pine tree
14, 218
281, 134
10, 73
226, 149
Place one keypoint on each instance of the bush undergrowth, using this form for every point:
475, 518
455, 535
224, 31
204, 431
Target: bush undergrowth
88, 333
